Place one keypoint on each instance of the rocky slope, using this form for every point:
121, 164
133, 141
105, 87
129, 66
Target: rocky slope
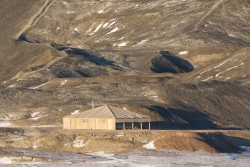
184, 63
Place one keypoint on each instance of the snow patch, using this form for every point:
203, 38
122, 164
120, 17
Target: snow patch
114, 30
78, 143
142, 42
218, 74
122, 44
35, 87
121, 38
5, 160
35, 147
36, 118
230, 69
222, 63
34, 114
64, 82
90, 28
111, 24
154, 96
68, 162
234, 67
231, 35
105, 25
150, 145
207, 78
183, 52
119, 135
76, 30
75, 112
103, 155
216, 66
12, 86
100, 11
5, 124
97, 28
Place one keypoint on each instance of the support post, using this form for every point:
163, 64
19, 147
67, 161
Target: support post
148, 125
123, 126
93, 104
132, 125
141, 125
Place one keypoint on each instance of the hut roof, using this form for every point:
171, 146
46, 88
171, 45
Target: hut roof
111, 112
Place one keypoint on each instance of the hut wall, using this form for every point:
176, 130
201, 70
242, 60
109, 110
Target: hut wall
89, 123
66, 123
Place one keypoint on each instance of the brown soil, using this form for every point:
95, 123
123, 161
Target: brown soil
187, 141
57, 140
55, 59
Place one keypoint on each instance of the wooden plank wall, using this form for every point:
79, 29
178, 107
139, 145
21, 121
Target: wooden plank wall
66, 123
89, 123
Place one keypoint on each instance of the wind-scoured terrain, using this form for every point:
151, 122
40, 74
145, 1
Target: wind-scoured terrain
184, 63
181, 62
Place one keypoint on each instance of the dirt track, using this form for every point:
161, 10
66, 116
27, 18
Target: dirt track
217, 3
34, 19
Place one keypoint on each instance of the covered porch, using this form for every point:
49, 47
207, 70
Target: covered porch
133, 123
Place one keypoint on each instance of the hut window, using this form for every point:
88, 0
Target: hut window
85, 120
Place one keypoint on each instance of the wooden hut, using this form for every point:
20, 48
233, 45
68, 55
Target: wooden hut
108, 118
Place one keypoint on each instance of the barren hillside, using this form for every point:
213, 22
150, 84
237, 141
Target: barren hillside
184, 63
